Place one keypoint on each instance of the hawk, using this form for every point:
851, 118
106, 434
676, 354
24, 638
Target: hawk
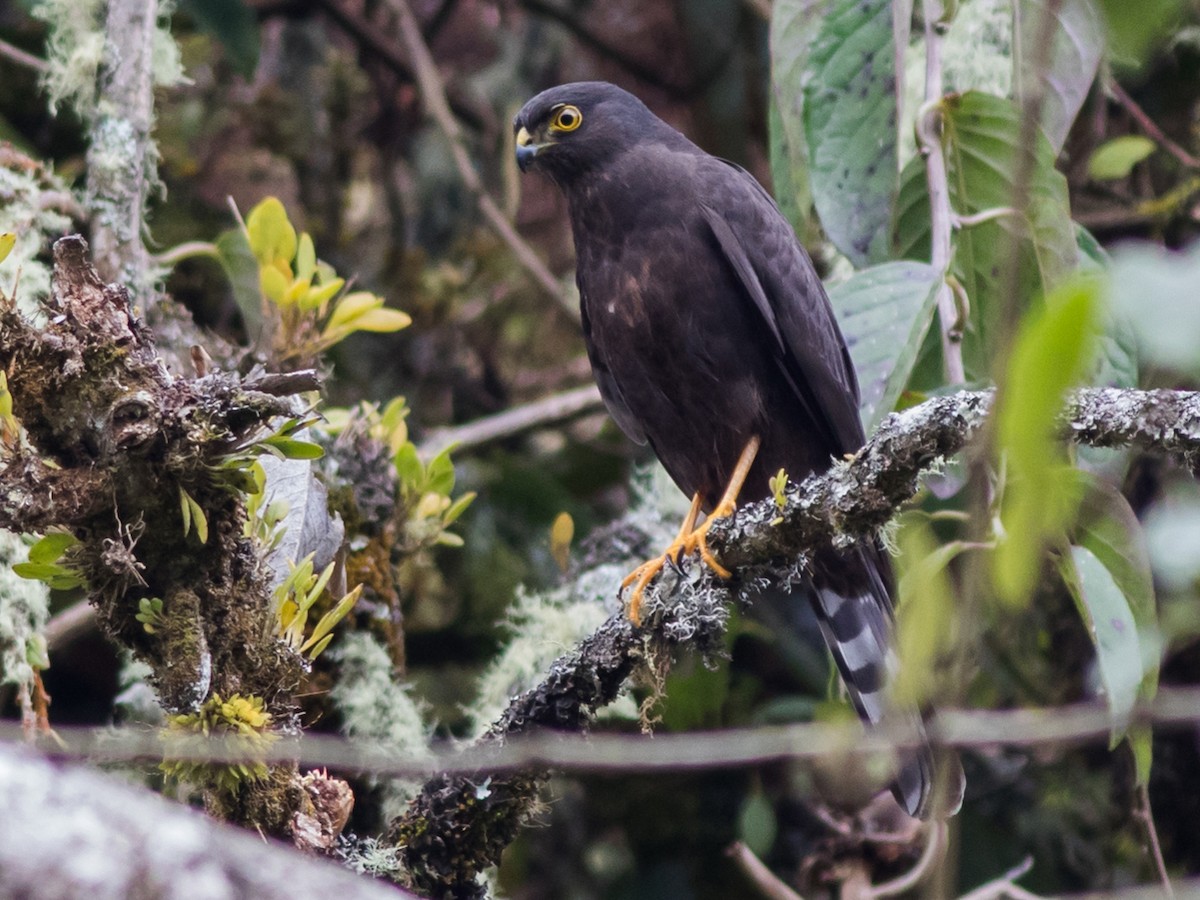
712, 340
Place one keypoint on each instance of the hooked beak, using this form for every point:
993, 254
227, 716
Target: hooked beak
526, 149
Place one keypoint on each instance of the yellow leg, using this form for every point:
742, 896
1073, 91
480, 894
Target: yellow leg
691, 538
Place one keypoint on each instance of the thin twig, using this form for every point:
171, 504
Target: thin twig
1146, 814
429, 80
941, 215
934, 847
22, 58
767, 882
1149, 126
552, 410
619, 753
1004, 886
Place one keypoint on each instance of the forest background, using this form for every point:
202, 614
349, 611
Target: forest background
367, 362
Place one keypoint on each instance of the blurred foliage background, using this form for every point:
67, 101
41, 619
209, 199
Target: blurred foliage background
315, 102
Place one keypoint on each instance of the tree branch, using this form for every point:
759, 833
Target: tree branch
552, 410
434, 95
124, 842
120, 158
444, 839
941, 215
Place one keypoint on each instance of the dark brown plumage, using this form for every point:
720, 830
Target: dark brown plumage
706, 325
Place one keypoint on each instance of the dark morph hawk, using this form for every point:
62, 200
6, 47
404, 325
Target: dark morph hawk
712, 340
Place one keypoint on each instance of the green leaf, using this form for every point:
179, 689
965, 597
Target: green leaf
1052, 351
1108, 528
924, 613
1112, 628
884, 313
272, 237
793, 25
409, 470
457, 508
756, 825
291, 448
1167, 333
1134, 29
306, 258
51, 547
241, 268
850, 126
1075, 51
234, 25
1116, 158
981, 136
440, 473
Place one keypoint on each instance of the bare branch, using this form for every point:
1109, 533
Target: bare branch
552, 410
941, 216
21, 58
434, 95
120, 158
767, 882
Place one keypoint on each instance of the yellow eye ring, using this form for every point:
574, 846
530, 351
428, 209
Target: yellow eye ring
566, 118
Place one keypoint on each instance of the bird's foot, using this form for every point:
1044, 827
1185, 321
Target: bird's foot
683, 545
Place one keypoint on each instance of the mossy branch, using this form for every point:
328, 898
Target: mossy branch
453, 830
106, 443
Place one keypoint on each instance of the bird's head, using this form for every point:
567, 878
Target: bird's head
572, 128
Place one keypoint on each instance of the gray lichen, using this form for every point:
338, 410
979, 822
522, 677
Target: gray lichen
379, 710
24, 606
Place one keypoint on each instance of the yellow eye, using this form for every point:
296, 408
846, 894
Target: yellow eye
567, 118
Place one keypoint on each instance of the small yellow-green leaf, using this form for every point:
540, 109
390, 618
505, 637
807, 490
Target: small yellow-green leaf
306, 258
320, 646
409, 470
271, 235
382, 321
561, 533
1116, 158
320, 295
331, 618
350, 307
440, 473
457, 508
274, 284
185, 508
7, 241
296, 290
393, 424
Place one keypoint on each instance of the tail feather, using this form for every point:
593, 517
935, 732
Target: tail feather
850, 591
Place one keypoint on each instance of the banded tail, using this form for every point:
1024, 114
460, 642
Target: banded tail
851, 596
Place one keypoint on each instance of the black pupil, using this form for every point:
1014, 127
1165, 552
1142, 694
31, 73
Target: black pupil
566, 118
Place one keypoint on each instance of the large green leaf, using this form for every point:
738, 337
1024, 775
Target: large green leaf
789, 172
1112, 627
1147, 277
1134, 29
1077, 44
980, 136
1052, 352
241, 267
850, 126
793, 25
884, 313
